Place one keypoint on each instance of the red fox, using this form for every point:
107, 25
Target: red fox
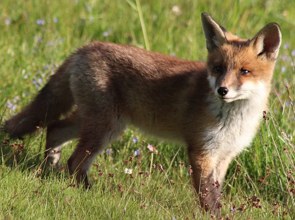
213, 107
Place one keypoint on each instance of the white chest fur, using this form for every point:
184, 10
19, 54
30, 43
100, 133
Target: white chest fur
237, 124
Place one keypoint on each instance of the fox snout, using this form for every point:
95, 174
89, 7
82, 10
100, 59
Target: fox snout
222, 91
232, 92
226, 93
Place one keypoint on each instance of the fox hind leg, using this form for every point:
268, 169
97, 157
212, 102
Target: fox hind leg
58, 133
96, 132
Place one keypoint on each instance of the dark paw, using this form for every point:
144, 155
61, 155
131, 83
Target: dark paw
10, 130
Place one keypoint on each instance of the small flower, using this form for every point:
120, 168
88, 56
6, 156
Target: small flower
55, 19
11, 105
152, 149
134, 140
283, 69
107, 33
137, 153
288, 103
39, 39
109, 151
293, 53
7, 21
55, 42
38, 82
233, 208
40, 22
286, 46
176, 10
128, 171
285, 57
50, 43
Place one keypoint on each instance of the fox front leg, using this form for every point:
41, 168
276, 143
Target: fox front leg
205, 182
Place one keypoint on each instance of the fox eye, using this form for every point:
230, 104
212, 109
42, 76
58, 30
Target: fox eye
244, 71
218, 69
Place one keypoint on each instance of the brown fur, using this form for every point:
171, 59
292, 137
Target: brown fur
108, 86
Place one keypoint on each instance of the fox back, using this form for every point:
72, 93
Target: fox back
214, 108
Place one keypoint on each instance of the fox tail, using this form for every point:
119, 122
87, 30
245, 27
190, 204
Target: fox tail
53, 100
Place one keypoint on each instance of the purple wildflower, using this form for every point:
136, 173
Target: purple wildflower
135, 140
38, 82
288, 103
11, 105
40, 22
286, 46
285, 58
109, 151
137, 153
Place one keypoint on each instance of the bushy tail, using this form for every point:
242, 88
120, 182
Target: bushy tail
54, 99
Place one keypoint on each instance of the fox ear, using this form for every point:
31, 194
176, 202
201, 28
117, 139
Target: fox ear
214, 33
267, 41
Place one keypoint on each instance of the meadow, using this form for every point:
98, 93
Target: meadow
139, 177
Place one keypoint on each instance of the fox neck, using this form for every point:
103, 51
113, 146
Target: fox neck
235, 123
253, 105
223, 111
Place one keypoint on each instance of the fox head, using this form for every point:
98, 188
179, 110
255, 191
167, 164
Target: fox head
238, 68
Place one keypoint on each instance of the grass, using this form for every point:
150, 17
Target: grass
36, 36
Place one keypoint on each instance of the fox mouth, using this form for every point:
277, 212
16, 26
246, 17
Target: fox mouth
231, 96
231, 99
228, 99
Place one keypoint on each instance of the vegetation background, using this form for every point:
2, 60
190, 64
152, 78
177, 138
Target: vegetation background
138, 177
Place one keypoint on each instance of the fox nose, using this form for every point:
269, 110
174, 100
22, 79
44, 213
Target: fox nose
222, 91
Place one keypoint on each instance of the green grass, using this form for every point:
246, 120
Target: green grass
260, 182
